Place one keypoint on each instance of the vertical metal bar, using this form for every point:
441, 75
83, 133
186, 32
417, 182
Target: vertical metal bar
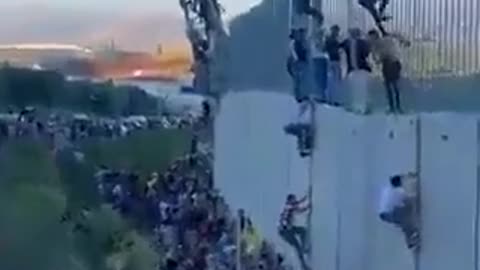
418, 172
423, 30
477, 35
310, 187
427, 16
400, 10
433, 37
445, 22
410, 32
438, 35
455, 37
459, 38
471, 33
441, 34
238, 255
330, 11
396, 15
415, 35
465, 37
451, 35
476, 224
290, 14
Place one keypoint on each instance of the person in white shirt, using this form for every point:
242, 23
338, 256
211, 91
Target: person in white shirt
396, 207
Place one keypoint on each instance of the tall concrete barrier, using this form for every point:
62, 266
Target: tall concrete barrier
449, 156
391, 150
257, 165
326, 214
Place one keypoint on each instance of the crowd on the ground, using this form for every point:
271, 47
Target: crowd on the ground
193, 227
190, 224
66, 128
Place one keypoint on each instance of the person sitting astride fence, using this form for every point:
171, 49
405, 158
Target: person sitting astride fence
291, 232
397, 207
386, 52
378, 14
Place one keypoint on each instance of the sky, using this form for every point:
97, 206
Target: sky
234, 7
132, 24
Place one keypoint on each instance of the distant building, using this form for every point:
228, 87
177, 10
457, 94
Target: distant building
107, 63
40, 55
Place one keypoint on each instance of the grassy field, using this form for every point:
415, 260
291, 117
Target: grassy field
35, 189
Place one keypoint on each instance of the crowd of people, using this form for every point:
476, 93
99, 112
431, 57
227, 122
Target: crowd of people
358, 47
190, 224
324, 51
193, 226
61, 129
325, 57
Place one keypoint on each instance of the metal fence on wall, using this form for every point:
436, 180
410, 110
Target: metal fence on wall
445, 34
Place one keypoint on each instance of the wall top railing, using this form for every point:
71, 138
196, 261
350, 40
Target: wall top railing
445, 34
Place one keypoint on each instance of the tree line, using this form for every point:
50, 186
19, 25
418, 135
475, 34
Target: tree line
50, 89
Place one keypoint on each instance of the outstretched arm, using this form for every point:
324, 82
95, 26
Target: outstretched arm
402, 39
303, 200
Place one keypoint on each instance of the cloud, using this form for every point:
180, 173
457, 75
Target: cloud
130, 30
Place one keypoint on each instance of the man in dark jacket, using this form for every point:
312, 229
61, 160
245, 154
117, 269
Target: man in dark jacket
357, 50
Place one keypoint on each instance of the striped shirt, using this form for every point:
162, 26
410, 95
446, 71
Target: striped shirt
287, 217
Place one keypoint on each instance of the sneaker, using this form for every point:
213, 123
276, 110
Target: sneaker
305, 153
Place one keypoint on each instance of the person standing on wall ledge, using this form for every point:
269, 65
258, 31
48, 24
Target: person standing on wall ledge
357, 50
297, 62
333, 47
320, 64
294, 234
397, 208
386, 52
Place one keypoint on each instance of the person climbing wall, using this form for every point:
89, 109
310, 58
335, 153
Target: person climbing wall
397, 207
293, 233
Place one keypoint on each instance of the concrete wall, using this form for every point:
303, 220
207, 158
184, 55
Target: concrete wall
450, 191
257, 165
